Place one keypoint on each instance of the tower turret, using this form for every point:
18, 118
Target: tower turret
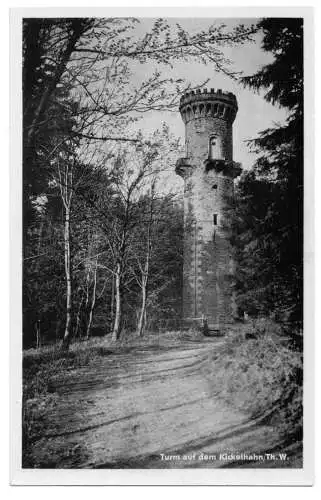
208, 171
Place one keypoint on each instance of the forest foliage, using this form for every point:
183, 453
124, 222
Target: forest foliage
268, 219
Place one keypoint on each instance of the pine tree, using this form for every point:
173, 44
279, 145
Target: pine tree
268, 223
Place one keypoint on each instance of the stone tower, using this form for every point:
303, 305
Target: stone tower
208, 171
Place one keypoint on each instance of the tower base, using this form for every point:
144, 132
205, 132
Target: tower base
202, 325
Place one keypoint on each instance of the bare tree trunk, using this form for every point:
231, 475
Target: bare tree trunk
67, 334
142, 315
93, 300
87, 292
117, 322
87, 289
38, 331
78, 315
145, 271
112, 298
120, 251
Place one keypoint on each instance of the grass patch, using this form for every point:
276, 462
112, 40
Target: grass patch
257, 372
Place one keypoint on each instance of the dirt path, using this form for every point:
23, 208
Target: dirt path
150, 408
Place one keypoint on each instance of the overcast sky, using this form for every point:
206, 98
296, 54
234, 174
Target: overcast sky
254, 114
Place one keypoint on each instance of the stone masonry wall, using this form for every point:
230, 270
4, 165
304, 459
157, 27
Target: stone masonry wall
198, 133
207, 254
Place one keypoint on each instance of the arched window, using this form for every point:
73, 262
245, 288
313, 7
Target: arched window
215, 148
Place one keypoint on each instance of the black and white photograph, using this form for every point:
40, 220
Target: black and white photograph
163, 244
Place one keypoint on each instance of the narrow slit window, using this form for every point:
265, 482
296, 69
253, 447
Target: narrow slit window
215, 219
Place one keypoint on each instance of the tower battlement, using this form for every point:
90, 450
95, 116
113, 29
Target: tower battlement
208, 103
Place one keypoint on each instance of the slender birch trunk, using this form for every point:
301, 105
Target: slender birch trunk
121, 258
87, 289
38, 332
142, 314
67, 334
81, 302
66, 184
145, 271
78, 315
112, 298
93, 301
117, 322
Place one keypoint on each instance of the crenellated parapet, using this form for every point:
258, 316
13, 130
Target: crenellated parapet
208, 103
